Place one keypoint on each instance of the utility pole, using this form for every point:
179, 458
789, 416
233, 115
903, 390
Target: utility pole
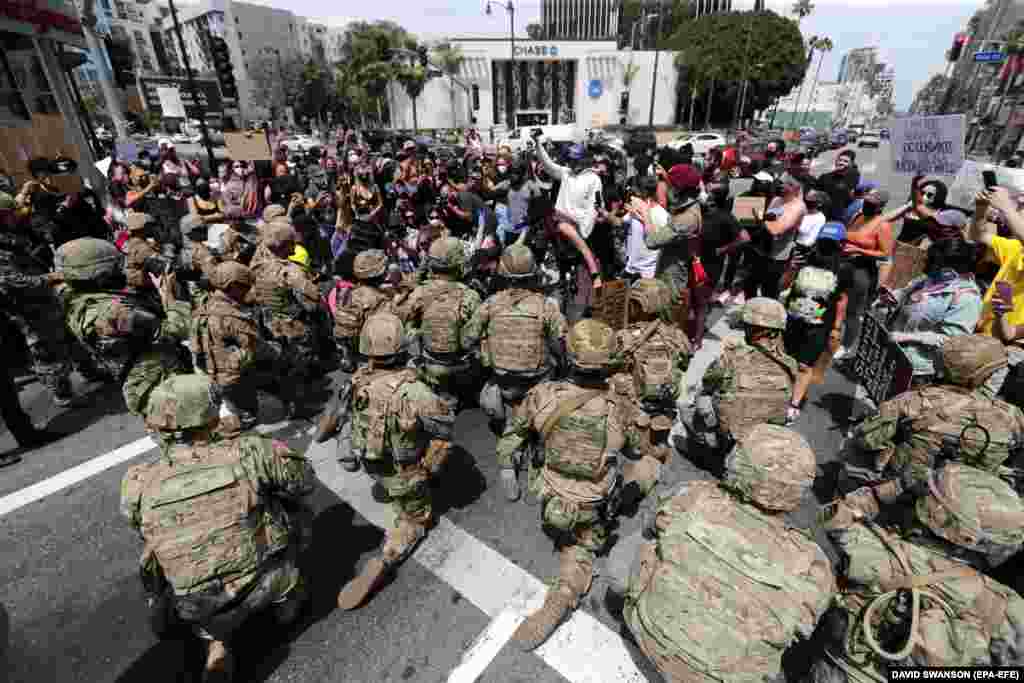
192, 87
657, 53
746, 74
88, 18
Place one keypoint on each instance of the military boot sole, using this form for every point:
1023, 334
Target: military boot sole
358, 589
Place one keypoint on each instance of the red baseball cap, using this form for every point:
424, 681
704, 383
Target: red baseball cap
684, 177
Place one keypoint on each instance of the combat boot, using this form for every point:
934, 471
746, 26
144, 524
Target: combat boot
401, 541
220, 665
539, 626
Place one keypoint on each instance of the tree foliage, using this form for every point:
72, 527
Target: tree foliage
535, 31
713, 47
363, 74
802, 8
676, 13
277, 81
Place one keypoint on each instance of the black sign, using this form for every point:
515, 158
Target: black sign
210, 102
880, 366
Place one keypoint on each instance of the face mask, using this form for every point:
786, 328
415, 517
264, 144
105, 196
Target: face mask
502, 169
870, 210
928, 198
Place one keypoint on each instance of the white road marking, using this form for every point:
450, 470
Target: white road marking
89, 468
487, 646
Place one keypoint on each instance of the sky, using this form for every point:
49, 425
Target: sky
912, 35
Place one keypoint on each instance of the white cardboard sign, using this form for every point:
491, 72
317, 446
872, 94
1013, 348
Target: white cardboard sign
170, 103
928, 145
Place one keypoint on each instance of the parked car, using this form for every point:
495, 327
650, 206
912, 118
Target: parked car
884, 134
870, 138
839, 139
702, 142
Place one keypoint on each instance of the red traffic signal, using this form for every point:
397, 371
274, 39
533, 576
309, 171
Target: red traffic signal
225, 71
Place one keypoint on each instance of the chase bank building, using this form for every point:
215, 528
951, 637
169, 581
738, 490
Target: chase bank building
548, 82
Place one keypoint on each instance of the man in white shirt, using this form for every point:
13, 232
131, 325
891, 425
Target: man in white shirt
642, 261
576, 205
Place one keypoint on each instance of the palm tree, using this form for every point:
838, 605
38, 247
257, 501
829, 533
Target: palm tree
413, 79
802, 8
450, 58
812, 44
823, 45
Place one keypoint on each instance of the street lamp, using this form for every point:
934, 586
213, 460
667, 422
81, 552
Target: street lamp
511, 9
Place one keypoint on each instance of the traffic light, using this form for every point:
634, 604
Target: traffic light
122, 62
624, 101
959, 41
476, 97
222, 66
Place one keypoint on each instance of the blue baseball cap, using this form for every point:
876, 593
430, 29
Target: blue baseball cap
866, 186
833, 230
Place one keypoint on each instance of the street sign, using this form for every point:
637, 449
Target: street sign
595, 88
991, 57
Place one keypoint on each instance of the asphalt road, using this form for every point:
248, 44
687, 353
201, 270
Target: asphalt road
69, 575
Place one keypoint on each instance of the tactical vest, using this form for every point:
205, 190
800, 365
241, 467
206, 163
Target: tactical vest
762, 387
442, 329
209, 342
364, 302
515, 335
578, 446
653, 357
811, 294
283, 316
203, 519
373, 394
727, 589
953, 423
980, 605
88, 319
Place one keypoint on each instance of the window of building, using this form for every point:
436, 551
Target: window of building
12, 105
32, 91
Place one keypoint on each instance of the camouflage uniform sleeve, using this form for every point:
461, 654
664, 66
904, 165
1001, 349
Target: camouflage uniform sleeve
410, 312
419, 410
555, 326
518, 429
131, 496
178, 323
277, 468
306, 293
878, 432
473, 332
203, 259
246, 336
718, 375
1008, 638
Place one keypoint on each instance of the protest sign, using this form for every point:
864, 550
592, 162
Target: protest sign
880, 366
928, 145
968, 182
170, 102
610, 303
743, 208
248, 146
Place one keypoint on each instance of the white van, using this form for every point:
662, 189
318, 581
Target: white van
516, 140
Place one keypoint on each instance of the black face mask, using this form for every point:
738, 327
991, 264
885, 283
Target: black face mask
871, 210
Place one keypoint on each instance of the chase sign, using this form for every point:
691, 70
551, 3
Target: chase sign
536, 51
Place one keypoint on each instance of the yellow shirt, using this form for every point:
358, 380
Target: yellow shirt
1009, 255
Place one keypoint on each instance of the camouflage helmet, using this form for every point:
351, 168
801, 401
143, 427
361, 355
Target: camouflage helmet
137, 222
764, 312
182, 402
370, 264
590, 345
279, 234
446, 255
652, 295
517, 262
383, 335
973, 509
771, 466
972, 358
231, 273
87, 259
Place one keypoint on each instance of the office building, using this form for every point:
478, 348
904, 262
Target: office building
579, 19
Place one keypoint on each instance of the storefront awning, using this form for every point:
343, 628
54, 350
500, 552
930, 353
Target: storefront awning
52, 19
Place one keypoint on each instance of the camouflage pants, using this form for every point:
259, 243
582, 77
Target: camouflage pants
456, 383
279, 587
40, 323
579, 532
407, 484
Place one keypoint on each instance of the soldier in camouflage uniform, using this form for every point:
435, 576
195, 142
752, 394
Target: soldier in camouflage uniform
521, 334
750, 383
728, 583
582, 428
134, 338
651, 357
228, 345
289, 306
961, 420
222, 521
29, 308
916, 594
394, 418
142, 253
369, 297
